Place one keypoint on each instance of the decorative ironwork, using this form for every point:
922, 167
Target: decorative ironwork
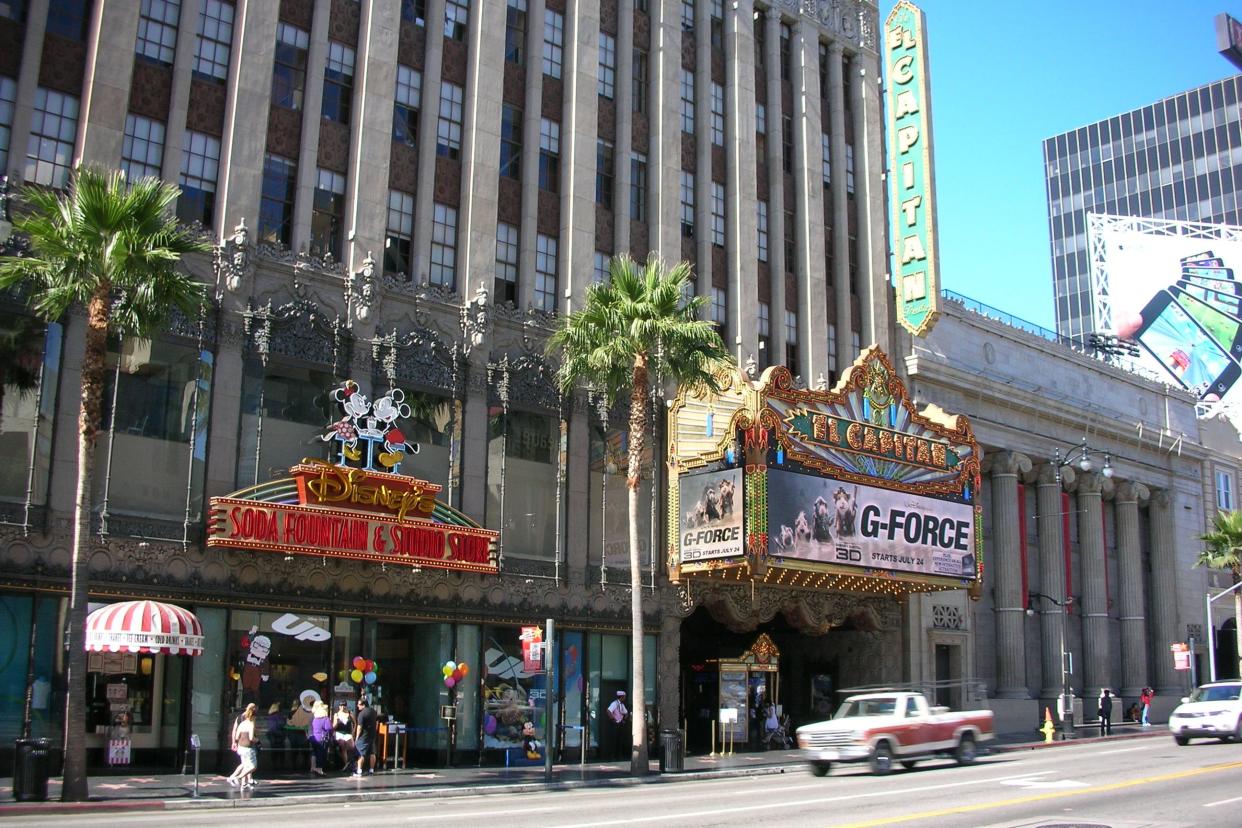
233, 261
948, 617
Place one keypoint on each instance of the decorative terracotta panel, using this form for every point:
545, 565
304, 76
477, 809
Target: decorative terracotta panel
765, 283
206, 108
284, 131
151, 90
608, 16
720, 263
514, 91
553, 95
638, 240
453, 68
510, 208
64, 63
297, 12
333, 146
603, 228
11, 35
343, 21
448, 181
606, 122
549, 223
403, 168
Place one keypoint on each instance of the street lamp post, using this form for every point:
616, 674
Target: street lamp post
1067, 665
1080, 457
1209, 630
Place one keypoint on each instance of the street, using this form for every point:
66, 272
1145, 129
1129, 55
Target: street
1145, 782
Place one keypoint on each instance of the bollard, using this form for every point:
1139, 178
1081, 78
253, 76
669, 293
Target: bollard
713, 753
195, 744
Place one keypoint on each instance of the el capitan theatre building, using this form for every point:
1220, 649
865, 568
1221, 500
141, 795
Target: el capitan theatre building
799, 522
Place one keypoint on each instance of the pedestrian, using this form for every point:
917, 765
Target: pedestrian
1145, 698
246, 742
320, 737
364, 737
1106, 713
617, 714
343, 732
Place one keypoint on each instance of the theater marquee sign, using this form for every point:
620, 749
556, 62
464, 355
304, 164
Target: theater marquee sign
851, 488
358, 507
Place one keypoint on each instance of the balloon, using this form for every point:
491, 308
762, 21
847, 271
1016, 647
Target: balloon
370, 677
245, 642
452, 665
489, 725
370, 666
457, 674
341, 674
356, 675
464, 669
358, 662
446, 670
449, 681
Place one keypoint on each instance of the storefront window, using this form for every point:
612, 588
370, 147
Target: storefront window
469, 637
162, 394
285, 411
410, 684
573, 684
530, 444
208, 718
121, 691
512, 696
14, 648
610, 516
29, 374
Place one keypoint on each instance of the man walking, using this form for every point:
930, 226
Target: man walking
364, 737
1106, 713
617, 714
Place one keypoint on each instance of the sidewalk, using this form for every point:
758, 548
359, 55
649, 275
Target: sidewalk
176, 791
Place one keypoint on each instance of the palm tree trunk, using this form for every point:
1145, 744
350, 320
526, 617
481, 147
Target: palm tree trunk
76, 788
639, 763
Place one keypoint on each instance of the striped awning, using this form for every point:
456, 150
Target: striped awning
144, 627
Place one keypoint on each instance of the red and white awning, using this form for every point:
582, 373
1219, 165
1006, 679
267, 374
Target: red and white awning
144, 627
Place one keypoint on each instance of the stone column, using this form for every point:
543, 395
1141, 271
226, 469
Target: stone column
668, 710
428, 123
776, 181
809, 195
741, 188
624, 143
27, 86
1051, 573
840, 208
312, 119
105, 88
861, 89
1007, 561
1164, 591
1091, 488
703, 157
179, 104
1130, 575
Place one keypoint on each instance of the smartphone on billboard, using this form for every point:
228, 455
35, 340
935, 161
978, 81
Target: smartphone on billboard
1194, 271
1184, 349
1217, 294
1224, 328
1218, 285
1206, 257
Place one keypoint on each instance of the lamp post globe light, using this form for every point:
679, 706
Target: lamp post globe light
1066, 704
1080, 457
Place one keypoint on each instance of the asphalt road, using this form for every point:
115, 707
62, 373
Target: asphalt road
1122, 784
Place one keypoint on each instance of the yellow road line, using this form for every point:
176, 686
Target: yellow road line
1004, 803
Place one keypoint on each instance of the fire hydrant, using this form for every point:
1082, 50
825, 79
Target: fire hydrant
1048, 729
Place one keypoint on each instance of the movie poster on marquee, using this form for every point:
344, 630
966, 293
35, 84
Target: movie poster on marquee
711, 516
832, 521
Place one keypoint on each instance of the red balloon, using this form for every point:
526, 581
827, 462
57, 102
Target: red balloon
245, 641
370, 665
457, 674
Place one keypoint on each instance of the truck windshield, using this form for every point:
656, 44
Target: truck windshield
879, 706
1224, 692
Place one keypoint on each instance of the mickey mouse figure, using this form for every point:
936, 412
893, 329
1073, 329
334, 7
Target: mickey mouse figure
356, 406
388, 409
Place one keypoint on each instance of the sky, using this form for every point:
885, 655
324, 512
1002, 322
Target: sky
1006, 75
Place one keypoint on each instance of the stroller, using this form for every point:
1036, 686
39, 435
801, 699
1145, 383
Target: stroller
780, 738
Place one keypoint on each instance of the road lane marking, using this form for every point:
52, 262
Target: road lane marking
1022, 800
1222, 802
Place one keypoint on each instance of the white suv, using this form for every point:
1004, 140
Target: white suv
1213, 710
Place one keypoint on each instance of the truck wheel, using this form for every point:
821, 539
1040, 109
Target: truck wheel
965, 753
820, 768
1181, 740
881, 759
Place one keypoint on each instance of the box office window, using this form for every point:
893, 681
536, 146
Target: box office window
522, 453
609, 521
29, 374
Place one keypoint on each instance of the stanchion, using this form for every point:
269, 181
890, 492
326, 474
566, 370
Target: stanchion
195, 744
713, 753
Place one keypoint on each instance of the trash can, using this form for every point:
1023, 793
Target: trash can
30, 770
671, 758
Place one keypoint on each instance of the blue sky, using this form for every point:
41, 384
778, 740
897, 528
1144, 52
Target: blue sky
1006, 75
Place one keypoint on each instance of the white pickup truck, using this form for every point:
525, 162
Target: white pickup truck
881, 728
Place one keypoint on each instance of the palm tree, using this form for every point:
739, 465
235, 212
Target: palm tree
1223, 550
640, 322
113, 248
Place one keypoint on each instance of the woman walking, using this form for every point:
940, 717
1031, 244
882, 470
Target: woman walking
343, 726
320, 737
244, 739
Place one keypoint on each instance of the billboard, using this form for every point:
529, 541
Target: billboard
1229, 39
825, 520
1172, 289
711, 516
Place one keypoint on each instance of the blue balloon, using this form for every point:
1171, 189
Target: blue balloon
370, 677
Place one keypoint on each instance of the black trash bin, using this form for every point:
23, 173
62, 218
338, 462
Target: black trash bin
671, 758
30, 770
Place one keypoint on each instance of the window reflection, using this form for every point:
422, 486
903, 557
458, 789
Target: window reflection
611, 522
529, 444
25, 410
285, 412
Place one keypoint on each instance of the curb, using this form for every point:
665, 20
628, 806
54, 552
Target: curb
1015, 747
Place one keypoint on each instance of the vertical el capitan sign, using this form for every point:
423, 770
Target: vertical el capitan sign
913, 195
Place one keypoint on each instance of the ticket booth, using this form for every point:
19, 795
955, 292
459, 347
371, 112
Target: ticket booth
744, 686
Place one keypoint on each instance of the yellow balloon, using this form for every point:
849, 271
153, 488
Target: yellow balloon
356, 675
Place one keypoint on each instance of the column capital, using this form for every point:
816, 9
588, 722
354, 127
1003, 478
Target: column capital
836, 49
1093, 483
1130, 491
1162, 499
1006, 463
1045, 474
772, 13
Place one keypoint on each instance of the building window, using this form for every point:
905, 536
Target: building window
14, 10
765, 335
200, 164
444, 247
553, 42
406, 104
718, 122
549, 155
414, 11
215, 37
787, 143
400, 233
603, 173
8, 99
602, 270
1224, 491
68, 18
545, 273
289, 69
855, 343
687, 15
832, 350
510, 142
506, 263
786, 33
276, 206
761, 119
761, 223
720, 307
638, 186
827, 159
338, 82
687, 101
638, 82
718, 214
607, 84
791, 342
687, 204
448, 131
157, 30
142, 150
789, 241
717, 24
849, 168
515, 32
326, 213
456, 19
53, 130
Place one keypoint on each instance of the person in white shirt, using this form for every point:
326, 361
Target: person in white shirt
617, 715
